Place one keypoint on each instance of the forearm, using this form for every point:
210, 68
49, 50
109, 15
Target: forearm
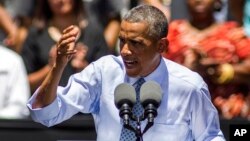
6, 21
36, 78
47, 91
242, 71
65, 49
111, 33
9, 27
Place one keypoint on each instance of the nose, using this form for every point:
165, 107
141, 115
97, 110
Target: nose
125, 51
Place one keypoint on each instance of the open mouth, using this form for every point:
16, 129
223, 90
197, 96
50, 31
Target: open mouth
130, 63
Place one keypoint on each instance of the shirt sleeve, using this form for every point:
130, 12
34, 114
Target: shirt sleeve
80, 95
205, 121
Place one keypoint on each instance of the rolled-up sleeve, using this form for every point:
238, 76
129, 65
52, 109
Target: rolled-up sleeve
38, 114
80, 95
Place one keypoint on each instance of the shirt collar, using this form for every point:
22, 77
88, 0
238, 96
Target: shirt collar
158, 75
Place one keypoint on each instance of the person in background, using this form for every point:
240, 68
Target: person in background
163, 5
239, 11
51, 17
185, 112
8, 28
219, 52
177, 9
15, 18
14, 89
108, 15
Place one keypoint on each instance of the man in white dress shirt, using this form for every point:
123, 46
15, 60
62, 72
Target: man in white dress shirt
185, 113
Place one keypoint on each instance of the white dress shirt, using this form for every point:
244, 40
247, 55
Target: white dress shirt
185, 113
14, 86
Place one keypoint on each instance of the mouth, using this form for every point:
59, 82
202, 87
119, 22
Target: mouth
200, 8
130, 63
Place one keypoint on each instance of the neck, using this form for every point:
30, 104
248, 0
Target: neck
200, 22
154, 64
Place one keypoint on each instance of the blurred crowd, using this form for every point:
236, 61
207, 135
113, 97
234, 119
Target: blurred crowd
211, 37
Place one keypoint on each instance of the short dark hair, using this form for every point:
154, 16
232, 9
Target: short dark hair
157, 21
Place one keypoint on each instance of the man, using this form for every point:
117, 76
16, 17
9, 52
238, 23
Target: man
14, 89
185, 113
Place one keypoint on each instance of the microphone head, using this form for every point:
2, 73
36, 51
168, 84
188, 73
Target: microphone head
150, 93
124, 94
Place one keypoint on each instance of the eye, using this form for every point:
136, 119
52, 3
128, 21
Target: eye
121, 40
135, 43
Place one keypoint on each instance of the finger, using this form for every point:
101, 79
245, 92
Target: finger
64, 44
68, 29
67, 36
74, 30
66, 52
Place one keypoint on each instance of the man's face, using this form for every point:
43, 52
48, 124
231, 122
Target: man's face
140, 54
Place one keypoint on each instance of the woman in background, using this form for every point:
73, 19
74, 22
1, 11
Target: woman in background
51, 17
220, 52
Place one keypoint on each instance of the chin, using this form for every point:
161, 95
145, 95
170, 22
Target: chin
132, 73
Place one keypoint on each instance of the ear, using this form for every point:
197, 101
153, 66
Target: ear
162, 45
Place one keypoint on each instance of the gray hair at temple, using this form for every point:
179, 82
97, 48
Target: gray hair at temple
158, 23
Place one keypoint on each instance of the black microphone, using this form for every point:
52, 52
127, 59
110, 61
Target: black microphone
125, 98
150, 97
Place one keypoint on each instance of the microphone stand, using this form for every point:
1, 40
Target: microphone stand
138, 132
137, 129
149, 113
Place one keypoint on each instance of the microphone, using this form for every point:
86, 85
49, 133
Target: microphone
125, 98
150, 97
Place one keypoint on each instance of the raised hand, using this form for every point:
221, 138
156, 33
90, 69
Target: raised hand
66, 45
